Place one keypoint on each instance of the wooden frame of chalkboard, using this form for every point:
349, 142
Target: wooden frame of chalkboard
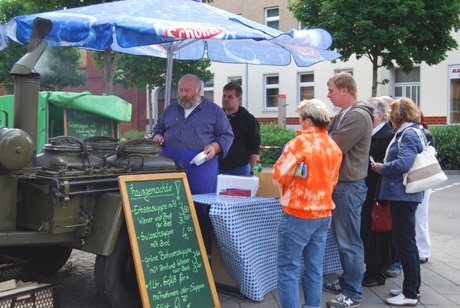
169, 255
84, 130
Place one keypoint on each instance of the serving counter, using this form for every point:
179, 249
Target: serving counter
246, 231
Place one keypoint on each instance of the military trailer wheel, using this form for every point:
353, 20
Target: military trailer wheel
46, 259
115, 275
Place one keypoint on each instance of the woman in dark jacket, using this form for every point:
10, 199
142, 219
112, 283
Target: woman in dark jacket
379, 250
399, 158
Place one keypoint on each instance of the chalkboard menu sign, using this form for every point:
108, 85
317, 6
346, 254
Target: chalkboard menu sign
83, 124
169, 255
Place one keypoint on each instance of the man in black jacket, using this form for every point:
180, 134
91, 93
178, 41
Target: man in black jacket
244, 152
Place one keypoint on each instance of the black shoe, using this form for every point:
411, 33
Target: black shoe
423, 260
371, 282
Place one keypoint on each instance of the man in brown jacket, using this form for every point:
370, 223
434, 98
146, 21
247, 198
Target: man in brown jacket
351, 129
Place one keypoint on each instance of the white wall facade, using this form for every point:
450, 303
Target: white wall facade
435, 82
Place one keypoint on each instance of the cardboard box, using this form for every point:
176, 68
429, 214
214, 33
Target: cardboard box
234, 185
218, 269
267, 189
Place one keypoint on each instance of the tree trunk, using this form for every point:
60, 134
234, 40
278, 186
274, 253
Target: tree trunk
375, 68
149, 106
109, 70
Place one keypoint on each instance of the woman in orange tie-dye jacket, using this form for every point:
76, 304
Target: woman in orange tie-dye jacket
307, 202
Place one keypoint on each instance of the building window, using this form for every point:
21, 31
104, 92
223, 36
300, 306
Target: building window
237, 79
454, 101
271, 88
208, 90
408, 85
344, 70
306, 86
272, 17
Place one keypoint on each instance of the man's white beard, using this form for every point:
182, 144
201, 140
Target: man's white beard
187, 104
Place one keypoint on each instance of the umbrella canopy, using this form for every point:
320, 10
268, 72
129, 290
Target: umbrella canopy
176, 29
3, 39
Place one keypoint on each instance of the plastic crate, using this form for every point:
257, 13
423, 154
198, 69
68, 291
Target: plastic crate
14, 269
47, 296
42, 297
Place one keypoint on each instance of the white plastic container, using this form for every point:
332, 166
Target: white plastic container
237, 186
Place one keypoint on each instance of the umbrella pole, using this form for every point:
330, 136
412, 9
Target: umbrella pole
169, 67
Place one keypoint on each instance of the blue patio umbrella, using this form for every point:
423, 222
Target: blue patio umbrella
3, 39
176, 29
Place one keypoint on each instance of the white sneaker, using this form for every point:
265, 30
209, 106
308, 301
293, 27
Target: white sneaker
401, 300
396, 292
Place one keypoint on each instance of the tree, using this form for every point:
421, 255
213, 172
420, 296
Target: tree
109, 59
143, 71
61, 68
388, 32
11, 54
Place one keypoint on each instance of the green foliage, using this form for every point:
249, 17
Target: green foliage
447, 140
9, 56
273, 135
139, 71
133, 134
386, 31
60, 69
447, 143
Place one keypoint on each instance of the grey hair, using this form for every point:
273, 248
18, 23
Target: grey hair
197, 80
379, 105
387, 100
315, 110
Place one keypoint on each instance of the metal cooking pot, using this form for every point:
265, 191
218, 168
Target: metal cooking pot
141, 154
66, 152
103, 146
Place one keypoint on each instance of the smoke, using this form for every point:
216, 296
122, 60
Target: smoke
43, 65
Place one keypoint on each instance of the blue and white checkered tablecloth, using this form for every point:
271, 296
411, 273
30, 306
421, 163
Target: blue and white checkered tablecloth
246, 231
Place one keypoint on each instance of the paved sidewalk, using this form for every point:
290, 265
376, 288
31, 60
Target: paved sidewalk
440, 276
440, 282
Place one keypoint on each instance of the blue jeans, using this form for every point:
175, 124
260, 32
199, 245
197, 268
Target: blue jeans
242, 170
299, 237
396, 265
346, 221
403, 216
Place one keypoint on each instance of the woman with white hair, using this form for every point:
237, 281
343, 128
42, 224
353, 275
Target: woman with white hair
308, 204
379, 249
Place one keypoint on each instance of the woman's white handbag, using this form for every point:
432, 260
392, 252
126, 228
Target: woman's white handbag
426, 172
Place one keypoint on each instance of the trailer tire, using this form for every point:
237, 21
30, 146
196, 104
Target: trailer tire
115, 275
